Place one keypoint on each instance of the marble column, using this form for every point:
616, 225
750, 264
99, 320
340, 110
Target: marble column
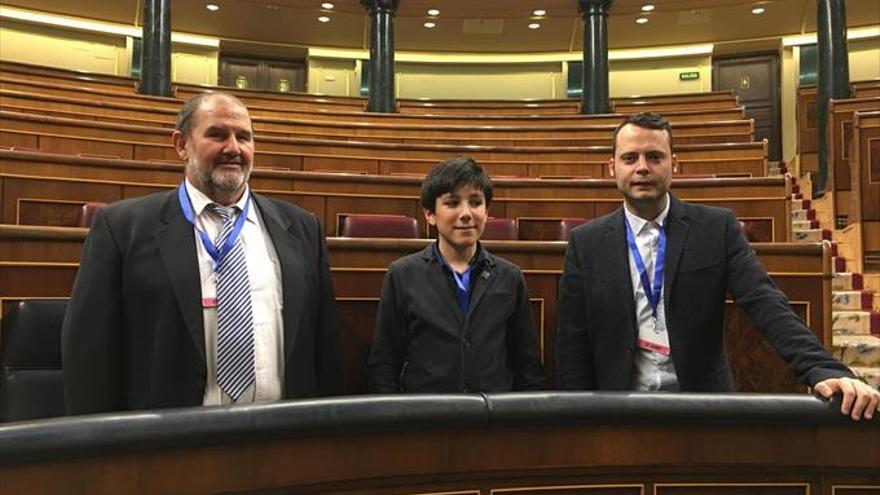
382, 97
594, 98
156, 61
833, 75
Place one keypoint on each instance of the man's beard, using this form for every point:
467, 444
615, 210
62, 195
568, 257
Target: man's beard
223, 184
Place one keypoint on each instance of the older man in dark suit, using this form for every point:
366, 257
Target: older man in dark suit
642, 294
204, 295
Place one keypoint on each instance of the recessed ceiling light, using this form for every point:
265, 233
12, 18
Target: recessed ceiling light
324, 18
433, 12
327, 6
647, 7
641, 20
429, 25
534, 25
212, 7
758, 10
539, 12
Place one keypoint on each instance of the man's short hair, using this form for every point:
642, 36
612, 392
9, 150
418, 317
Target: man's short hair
452, 174
644, 120
191, 106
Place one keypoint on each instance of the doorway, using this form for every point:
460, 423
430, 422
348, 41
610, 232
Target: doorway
755, 80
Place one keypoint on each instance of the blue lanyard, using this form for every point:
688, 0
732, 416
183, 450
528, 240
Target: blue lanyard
462, 282
215, 253
652, 295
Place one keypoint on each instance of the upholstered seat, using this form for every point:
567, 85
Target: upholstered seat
567, 224
393, 226
88, 212
30, 360
500, 229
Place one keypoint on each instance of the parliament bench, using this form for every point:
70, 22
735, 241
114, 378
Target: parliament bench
568, 135
54, 75
865, 166
318, 104
17, 88
840, 142
40, 262
808, 118
138, 142
37, 186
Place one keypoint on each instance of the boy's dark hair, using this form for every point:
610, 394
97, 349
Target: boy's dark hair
644, 120
191, 106
452, 174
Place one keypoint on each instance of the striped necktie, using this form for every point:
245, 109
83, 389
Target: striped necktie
235, 320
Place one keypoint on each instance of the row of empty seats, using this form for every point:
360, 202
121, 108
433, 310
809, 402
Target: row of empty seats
404, 227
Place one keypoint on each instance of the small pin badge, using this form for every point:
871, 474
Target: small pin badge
486, 275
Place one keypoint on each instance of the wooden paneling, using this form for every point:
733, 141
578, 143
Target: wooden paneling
759, 201
865, 163
37, 262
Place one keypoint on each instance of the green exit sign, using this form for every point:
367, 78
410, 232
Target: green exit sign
688, 76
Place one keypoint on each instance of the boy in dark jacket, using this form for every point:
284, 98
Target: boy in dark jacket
453, 317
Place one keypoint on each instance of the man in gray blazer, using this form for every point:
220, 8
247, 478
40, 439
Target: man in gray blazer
642, 294
204, 295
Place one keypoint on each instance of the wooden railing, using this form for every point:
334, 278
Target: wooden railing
523, 444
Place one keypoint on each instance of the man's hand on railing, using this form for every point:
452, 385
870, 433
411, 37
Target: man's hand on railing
858, 397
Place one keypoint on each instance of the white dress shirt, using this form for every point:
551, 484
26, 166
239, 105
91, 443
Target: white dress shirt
264, 275
653, 370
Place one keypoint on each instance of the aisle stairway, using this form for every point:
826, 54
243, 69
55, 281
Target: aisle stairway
856, 307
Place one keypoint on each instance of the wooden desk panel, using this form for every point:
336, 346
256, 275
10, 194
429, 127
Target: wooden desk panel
32, 199
41, 262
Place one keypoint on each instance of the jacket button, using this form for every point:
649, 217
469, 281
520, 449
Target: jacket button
467, 342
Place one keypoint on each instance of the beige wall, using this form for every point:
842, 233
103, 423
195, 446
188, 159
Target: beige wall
790, 62
97, 52
68, 49
339, 77
194, 65
475, 81
864, 59
659, 76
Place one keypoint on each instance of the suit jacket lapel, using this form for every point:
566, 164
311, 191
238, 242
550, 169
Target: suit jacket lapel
177, 249
440, 284
676, 234
288, 248
617, 271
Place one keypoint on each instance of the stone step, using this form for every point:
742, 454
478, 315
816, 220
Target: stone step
857, 350
869, 375
803, 215
811, 235
855, 322
805, 224
801, 204
847, 281
852, 300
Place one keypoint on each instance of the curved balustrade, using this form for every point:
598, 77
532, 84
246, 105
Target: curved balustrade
535, 443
